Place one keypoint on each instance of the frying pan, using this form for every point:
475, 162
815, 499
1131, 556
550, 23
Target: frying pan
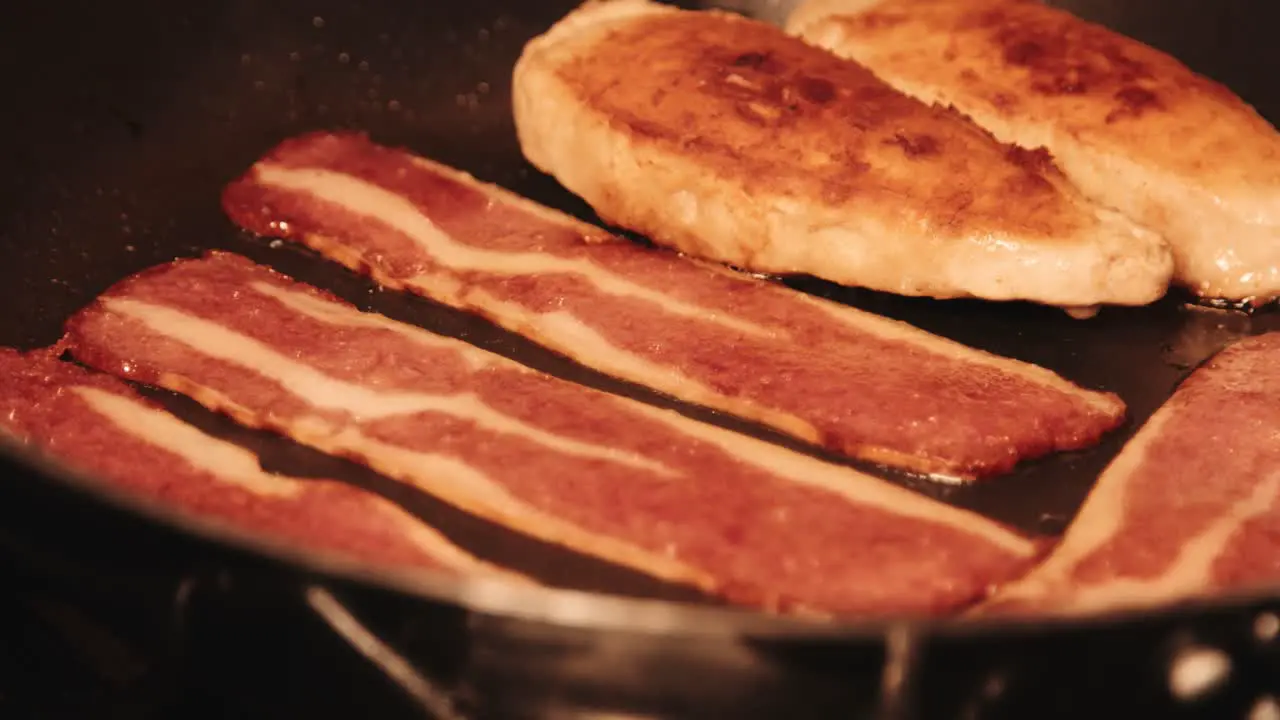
123, 122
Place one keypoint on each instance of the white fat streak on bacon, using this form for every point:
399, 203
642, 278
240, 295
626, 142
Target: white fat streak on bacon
570, 331
803, 469
236, 466
448, 477
1100, 522
840, 481
858, 321
323, 391
482, 494
229, 463
322, 310
889, 329
364, 198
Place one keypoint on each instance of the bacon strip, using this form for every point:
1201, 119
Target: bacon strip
1191, 506
601, 474
850, 381
101, 426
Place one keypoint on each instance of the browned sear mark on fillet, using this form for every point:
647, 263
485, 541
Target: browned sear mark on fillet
1071, 58
784, 89
1134, 101
914, 145
766, 91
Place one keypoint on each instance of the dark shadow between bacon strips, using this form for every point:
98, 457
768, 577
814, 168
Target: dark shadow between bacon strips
553, 565
1126, 350
1058, 417
548, 564
1001, 498
219, 273
308, 266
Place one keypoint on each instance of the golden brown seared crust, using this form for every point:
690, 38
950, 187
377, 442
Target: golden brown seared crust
793, 120
728, 139
1132, 126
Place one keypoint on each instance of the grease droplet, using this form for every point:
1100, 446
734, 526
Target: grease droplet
1266, 708
1196, 671
1266, 627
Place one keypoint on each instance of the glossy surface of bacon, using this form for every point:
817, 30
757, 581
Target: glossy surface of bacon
1190, 507
850, 381
99, 425
601, 474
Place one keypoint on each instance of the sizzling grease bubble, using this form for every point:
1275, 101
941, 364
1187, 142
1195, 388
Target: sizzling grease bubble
317, 21
483, 88
1196, 671
363, 66
295, 56
1266, 708
393, 105
1266, 626
246, 59
344, 58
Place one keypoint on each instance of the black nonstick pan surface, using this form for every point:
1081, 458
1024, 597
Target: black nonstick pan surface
122, 123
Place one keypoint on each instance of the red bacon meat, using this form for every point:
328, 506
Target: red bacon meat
1190, 507
847, 380
100, 426
604, 475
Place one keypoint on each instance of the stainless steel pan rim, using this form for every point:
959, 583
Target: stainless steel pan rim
586, 610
